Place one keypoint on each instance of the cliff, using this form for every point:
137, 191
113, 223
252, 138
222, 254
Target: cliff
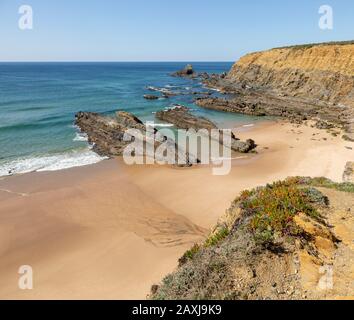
306, 82
324, 72
288, 240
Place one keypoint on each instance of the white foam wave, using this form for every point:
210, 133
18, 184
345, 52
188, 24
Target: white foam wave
214, 89
163, 125
162, 90
76, 158
248, 125
81, 137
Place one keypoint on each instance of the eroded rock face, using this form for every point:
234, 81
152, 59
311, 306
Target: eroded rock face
303, 82
324, 72
183, 119
106, 134
348, 175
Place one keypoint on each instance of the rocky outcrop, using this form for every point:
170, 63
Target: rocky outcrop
348, 175
188, 72
261, 104
201, 93
183, 119
232, 105
150, 97
106, 135
314, 80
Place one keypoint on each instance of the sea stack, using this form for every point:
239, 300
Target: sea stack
188, 71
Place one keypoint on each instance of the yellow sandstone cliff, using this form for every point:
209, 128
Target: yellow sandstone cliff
324, 71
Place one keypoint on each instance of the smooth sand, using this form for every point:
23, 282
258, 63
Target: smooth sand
109, 231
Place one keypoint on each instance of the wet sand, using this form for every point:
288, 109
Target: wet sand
110, 231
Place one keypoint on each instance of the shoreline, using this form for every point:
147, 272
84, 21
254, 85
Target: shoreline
71, 159
109, 231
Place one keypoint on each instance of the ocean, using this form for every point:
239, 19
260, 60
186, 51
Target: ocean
38, 102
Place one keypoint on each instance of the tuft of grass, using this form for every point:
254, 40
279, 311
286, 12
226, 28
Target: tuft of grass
218, 236
189, 254
214, 239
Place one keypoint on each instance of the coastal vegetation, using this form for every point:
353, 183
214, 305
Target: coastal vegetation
311, 45
257, 249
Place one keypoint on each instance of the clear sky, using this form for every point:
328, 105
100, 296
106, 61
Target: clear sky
164, 30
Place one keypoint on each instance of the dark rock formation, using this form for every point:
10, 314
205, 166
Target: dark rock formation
232, 105
106, 134
188, 71
150, 97
202, 93
260, 103
183, 119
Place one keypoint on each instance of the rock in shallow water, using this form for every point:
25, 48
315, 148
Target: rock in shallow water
183, 119
188, 71
150, 97
106, 134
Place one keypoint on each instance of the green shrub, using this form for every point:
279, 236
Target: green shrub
274, 207
213, 240
189, 254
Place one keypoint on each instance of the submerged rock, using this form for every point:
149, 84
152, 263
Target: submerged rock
151, 97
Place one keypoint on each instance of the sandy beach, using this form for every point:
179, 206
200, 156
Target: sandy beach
110, 231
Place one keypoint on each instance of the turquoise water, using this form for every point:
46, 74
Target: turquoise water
38, 102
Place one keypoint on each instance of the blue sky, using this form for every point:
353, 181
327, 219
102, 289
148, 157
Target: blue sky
164, 30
